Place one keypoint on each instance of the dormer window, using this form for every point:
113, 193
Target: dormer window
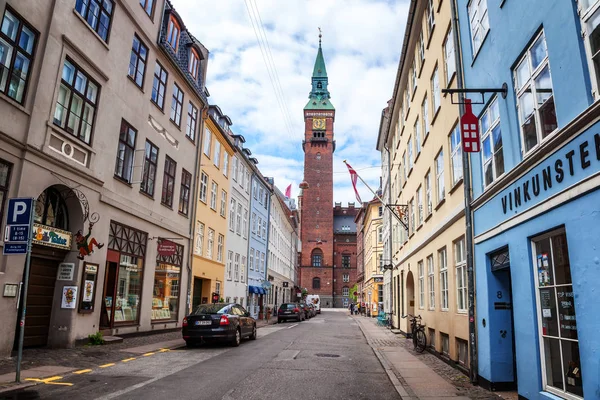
173, 32
194, 63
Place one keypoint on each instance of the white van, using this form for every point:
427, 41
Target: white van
315, 300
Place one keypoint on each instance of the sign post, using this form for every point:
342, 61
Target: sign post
19, 219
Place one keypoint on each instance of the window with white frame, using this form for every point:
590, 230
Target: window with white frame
443, 263
251, 263
478, 18
234, 169
262, 262
456, 155
404, 167
248, 181
535, 100
232, 204
406, 102
236, 267
430, 17
253, 222
439, 176
492, 156
431, 282
220, 243
557, 319
238, 220
421, 271
425, 117
199, 238
411, 158
380, 234
345, 291
223, 203
229, 264
421, 51
243, 270
420, 205
245, 224
264, 229
225, 163
210, 242
417, 137
213, 195
411, 205
435, 90
449, 57
217, 156
590, 18
460, 262
258, 224
346, 277
428, 202
414, 77
207, 139
203, 187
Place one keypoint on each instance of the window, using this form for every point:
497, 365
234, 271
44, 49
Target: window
456, 155
380, 211
414, 77
431, 338
431, 282
125, 152
535, 100
262, 262
428, 201
235, 169
439, 176
443, 279
210, 242
148, 6
217, 157
238, 220
461, 275
194, 63
220, 243
229, 268
420, 206
76, 104
213, 195
493, 155
264, 229
417, 137
168, 182
380, 234
173, 31
245, 226
259, 223
445, 344
254, 190
478, 17
449, 57
317, 258
411, 206
346, 291
345, 261
346, 277
207, 139
17, 43
218, 287
159, 85
462, 347
253, 222
98, 14
247, 181
407, 102
176, 105
590, 15
411, 158
251, 265
184, 192
316, 283
192, 122
430, 17
236, 268
199, 238
232, 204
559, 340
435, 89
5, 169
137, 61
223, 212
404, 167
150, 162
243, 272
421, 271
421, 51
425, 108
203, 187
225, 163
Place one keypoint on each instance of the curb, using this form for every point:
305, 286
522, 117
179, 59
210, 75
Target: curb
12, 387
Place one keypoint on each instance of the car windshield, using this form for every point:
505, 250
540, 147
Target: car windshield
210, 309
288, 306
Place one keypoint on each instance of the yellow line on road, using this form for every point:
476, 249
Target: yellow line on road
59, 383
82, 371
107, 365
163, 350
128, 359
50, 381
148, 354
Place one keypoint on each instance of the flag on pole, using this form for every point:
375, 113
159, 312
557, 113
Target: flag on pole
353, 178
288, 191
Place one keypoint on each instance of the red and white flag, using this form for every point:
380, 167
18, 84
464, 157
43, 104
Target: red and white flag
288, 191
353, 178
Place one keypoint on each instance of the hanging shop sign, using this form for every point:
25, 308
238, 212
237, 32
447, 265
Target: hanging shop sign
52, 237
65, 272
469, 127
166, 248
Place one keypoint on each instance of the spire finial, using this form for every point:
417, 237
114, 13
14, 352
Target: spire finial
320, 36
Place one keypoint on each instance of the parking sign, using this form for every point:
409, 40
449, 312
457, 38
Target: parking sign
18, 229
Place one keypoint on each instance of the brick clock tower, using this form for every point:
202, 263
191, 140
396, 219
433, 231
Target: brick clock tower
316, 198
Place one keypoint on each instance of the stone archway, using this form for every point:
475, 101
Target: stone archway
410, 293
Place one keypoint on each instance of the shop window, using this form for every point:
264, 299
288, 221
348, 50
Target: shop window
17, 44
51, 210
316, 283
5, 169
98, 14
167, 278
137, 61
125, 152
150, 162
463, 352
559, 341
445, 344
159, 86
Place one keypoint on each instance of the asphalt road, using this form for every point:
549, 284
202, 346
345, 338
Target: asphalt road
326, 357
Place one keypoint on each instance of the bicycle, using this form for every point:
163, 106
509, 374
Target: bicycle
417, 333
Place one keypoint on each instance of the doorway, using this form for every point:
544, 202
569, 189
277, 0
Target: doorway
197, 293
107, 316
410, 293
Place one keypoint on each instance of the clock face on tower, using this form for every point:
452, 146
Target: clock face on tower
319, 123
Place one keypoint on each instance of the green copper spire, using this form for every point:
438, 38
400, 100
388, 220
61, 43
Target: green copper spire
319, 95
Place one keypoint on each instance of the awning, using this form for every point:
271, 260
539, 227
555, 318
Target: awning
261, 290
251, 289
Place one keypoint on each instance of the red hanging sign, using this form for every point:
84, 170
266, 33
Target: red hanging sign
166, 248
469, 127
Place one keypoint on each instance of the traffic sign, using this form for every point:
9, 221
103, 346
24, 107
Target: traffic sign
17, 233
19, 211
14, 248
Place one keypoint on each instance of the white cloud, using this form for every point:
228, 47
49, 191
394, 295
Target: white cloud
362, 41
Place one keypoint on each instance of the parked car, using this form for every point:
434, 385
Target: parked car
307, 314
290, 311
218, 321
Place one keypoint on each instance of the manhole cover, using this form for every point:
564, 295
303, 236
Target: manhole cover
327, 355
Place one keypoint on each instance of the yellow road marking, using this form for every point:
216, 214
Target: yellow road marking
59, 383
128, 359
148, 354
82, 371
52, 378
34, 380
163, 350
50, 381
107, 365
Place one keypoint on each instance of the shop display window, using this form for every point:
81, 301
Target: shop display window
129, 289
559, 344
167, 284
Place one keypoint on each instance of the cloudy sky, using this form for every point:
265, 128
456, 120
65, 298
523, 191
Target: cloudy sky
362, 40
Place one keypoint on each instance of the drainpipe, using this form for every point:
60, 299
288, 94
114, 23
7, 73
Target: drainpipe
267, 249
473, 370
390, 236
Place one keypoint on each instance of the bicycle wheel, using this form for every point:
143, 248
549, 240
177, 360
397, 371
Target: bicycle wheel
421, 341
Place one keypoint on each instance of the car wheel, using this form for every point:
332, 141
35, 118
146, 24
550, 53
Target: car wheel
253, 335
237, 338
190, 343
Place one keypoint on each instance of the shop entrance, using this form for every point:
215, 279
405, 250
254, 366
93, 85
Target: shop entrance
110, 280
197, 293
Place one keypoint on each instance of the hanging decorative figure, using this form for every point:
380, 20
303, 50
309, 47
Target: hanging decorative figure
85, 248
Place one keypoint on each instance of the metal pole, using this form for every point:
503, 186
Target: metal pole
25, 287
468, 220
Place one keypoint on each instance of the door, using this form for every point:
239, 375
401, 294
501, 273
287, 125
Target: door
40, 296
197, 294
410, 293
106, 316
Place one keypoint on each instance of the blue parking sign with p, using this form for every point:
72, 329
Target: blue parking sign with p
18, 229
19, 211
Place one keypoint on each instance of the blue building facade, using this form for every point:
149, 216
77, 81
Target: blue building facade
260, 207
536, 203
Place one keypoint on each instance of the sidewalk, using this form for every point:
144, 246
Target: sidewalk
418, 376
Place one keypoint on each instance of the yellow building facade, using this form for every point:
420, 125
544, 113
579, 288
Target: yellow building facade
372, 290
208, 266
426, 174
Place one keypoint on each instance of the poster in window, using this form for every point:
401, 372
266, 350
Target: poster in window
88, 291
69, 297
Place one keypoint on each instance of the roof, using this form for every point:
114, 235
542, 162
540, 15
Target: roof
319, 95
